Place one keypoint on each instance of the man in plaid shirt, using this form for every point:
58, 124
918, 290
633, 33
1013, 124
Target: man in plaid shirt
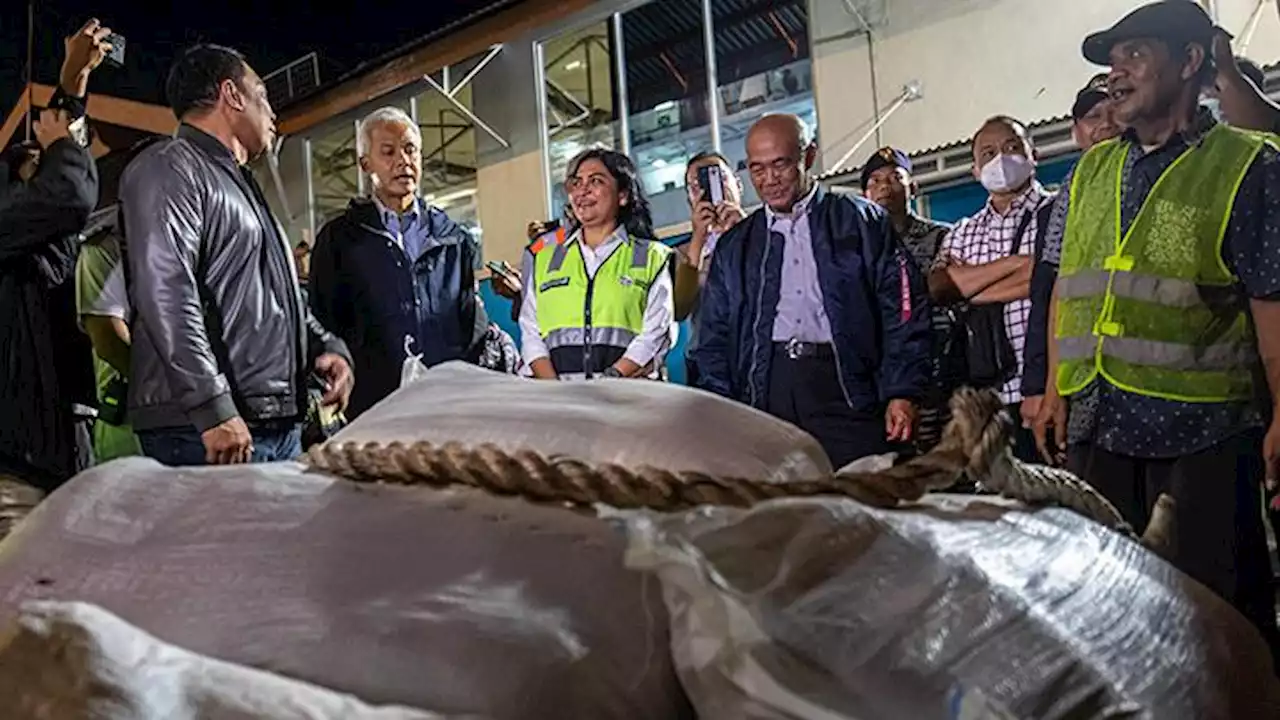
988, 257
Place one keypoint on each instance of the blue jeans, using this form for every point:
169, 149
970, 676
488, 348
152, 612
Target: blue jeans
182, 446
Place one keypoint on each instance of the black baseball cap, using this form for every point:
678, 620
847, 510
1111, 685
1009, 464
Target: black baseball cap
1177, 22
885, 157
1089, 96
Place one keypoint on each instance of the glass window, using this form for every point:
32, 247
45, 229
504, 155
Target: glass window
580, 99
762, 66
668, 116
334, 172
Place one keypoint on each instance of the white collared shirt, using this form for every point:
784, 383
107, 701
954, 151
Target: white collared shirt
801, 313
654, 340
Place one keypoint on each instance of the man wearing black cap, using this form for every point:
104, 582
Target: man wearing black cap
887, 182
1165, 310
1091, 123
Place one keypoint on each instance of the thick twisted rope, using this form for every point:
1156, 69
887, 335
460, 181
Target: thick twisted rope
976, 442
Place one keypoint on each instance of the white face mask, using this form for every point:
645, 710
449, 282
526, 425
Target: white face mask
1213, 105
1006, 172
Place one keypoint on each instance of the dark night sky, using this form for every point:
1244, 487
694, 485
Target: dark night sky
270, 34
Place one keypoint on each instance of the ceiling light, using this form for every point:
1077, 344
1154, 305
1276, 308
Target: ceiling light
574, 65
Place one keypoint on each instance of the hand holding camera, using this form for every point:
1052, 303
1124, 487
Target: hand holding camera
86, 49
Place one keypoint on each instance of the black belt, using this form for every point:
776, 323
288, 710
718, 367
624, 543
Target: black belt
799, 350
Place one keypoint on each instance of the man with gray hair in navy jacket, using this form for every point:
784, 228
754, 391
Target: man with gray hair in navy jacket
814, 310
393, 276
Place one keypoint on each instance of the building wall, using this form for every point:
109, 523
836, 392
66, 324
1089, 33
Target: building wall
509, 180
973, 59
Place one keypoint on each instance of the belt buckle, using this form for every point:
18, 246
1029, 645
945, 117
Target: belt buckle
795, 349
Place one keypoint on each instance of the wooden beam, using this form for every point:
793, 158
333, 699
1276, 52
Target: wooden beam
520, 20
14, 120
103, 108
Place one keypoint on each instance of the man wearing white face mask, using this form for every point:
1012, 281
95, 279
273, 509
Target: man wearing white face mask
986, 261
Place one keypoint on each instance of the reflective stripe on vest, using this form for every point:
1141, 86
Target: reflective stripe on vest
588, 322
1155, 311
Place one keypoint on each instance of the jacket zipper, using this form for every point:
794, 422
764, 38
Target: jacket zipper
755, 332
587, 346
586, 316
413, 289
755, 325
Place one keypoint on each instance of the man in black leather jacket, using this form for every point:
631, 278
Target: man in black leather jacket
47, 191
224, 346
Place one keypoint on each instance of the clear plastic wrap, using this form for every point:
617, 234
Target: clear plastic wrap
71, 661
455, 602
957, 609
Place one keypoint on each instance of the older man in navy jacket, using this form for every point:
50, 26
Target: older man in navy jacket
393, 276
814, 311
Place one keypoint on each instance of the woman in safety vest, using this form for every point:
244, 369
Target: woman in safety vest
598, 299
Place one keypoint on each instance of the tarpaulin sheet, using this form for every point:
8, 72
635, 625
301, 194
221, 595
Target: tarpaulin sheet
454, 602
958, 609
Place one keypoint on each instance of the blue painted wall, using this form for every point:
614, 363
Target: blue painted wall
947, 205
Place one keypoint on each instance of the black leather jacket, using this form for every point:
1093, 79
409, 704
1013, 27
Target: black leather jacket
220, 327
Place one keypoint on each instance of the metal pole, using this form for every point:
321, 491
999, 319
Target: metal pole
359, 172
875, 129
620, 70
413, 115
311, 191
713, 82
544, 142
31, 70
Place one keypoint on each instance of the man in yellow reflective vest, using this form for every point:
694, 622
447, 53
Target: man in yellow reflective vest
1167, 321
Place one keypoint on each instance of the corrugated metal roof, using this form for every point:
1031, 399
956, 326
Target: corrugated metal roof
466, 12
665, 50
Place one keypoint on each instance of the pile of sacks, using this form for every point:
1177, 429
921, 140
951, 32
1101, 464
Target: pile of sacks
139, 592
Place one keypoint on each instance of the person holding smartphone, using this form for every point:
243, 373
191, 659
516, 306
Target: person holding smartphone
715, 203
47, 191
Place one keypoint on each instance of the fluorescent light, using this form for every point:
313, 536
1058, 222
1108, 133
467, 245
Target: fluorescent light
574, 65
448, 197
659, 163
664, 105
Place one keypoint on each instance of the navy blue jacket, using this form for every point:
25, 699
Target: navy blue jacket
364, 289
872, 291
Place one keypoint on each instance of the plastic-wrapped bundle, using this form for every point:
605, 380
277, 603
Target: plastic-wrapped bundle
958, 608
70, 661
17, 500
458, 602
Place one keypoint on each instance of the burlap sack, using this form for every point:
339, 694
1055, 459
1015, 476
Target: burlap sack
628, 422
71, 661
457, 602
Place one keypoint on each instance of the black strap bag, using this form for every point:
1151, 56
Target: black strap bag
989, 356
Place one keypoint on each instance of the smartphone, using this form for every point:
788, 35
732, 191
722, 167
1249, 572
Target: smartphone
712, 182
316, 381
115, 58
498, 268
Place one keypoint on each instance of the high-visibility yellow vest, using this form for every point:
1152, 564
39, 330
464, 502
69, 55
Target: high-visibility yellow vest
588, 322
1155, 310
